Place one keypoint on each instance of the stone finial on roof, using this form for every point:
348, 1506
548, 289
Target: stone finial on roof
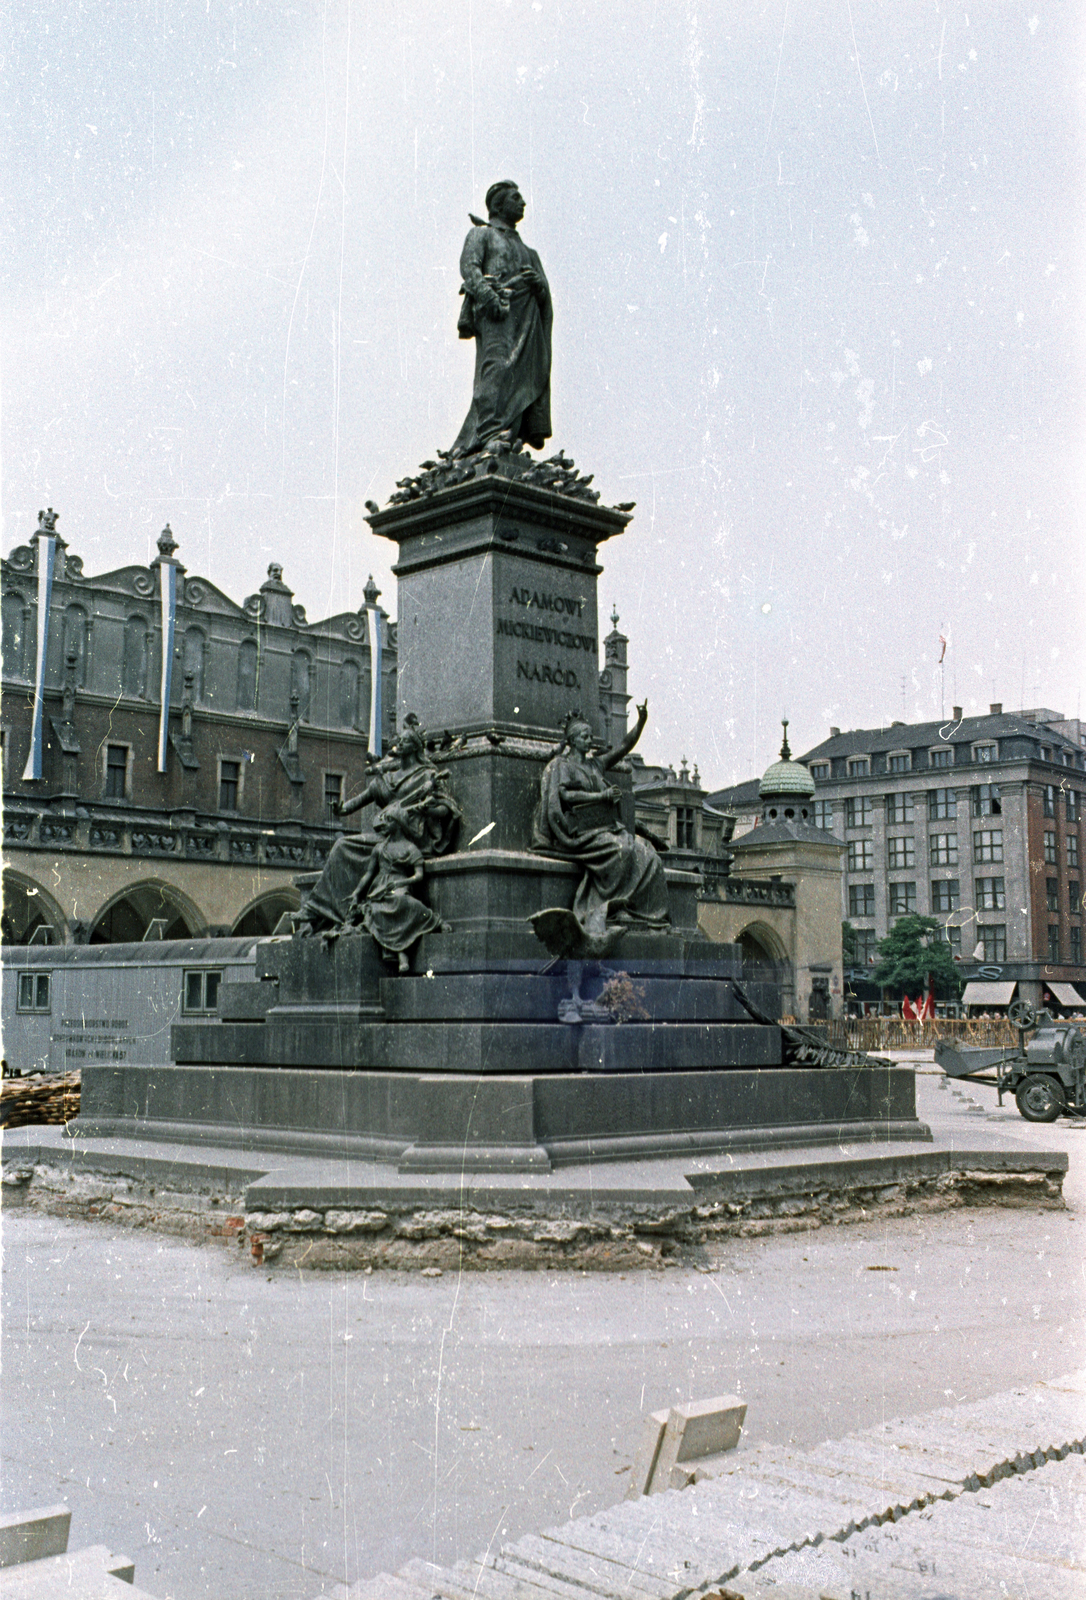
614, 615
371, 593
167, 544
786, 754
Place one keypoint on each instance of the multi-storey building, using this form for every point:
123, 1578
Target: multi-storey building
976, 821
191, 821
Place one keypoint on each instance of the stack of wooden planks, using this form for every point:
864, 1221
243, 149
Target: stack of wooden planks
48, 1098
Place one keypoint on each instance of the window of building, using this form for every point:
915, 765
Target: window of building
942, 757
1052, 894
860, 855
33, 991
202, 990
1049, 802
333, 791
116, 771
348, 694
945, 895
988, 845
1074, 896
861, 899
820, 769
822, 813
986, 801
952, 933
300, 682
991, 894
229, 784
902, 899
866, 942
1072, 849
984, 752
1046, 753
943, 849
899, 761
899, 809
942, 804
247, 670
994, 940
1053, 941
900, 853
134, 658
13, 634
859, 767
1074, 805
1076, 946
859, 810
684, 827
193, 656
1050, 849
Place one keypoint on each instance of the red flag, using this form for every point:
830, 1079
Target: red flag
942, 652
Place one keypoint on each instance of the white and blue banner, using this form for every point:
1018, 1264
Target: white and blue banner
373, 622
47, 555
167, 583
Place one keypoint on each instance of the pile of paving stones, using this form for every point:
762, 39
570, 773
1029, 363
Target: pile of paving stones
47, 1098
984, 1501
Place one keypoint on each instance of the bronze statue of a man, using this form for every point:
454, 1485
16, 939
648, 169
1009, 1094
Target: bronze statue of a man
507, 311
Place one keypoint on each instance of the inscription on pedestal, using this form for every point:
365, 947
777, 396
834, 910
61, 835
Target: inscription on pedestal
530, 668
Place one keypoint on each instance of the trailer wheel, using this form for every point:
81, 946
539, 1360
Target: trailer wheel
1039, 1098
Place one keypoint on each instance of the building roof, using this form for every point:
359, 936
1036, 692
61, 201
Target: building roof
740, 797
924, 735
786, 778
782, 832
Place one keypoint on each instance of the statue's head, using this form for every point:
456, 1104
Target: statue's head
396, 820
579, 735
411, 739
505, 201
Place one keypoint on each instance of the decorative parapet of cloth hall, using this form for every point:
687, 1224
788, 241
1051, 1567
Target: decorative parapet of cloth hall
748, 892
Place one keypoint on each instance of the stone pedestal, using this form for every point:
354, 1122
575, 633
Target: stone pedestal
497, 635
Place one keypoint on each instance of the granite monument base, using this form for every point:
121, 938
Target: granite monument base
433, 1122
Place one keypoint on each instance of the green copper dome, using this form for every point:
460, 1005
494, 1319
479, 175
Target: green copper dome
786, 777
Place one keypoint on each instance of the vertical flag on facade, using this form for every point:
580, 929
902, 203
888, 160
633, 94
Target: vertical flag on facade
167, 581
47, 555
373, 622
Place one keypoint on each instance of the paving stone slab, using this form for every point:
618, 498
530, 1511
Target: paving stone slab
95, 1573
863, 1491
904, 1474
659, 1559
383, 1586
594, 1573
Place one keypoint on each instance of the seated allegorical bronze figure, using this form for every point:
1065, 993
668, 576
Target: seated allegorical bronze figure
431, 817
578, 817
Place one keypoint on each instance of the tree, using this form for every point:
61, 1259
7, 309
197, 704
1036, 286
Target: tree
913, 951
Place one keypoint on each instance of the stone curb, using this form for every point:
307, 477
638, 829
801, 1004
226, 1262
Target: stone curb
549, 1230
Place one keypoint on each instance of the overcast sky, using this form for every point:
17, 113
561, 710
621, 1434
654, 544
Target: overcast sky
818, 282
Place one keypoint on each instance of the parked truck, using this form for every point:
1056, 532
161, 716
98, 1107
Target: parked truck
1046, 1072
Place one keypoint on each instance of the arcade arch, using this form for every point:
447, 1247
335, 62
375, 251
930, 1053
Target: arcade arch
29, 908
128, 917
261, 915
